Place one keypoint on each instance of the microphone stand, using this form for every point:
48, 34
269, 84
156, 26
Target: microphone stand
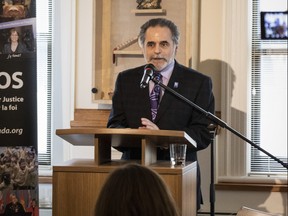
212, 130
222, 124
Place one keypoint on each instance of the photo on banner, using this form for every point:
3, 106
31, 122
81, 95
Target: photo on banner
19, 190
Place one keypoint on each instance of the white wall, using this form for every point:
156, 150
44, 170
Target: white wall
224, 43
224, 48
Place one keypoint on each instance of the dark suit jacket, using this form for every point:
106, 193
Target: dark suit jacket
130, 103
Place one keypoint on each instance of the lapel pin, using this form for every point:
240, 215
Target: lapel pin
176, 84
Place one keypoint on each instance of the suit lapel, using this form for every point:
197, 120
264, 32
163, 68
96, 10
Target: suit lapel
144, 107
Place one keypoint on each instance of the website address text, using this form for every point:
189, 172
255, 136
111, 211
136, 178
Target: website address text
17, 131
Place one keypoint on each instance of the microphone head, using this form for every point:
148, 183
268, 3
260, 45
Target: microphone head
150, 67
148, 74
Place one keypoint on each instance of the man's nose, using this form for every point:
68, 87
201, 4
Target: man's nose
157, 48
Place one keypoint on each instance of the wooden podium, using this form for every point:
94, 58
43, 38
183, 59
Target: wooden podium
77, 183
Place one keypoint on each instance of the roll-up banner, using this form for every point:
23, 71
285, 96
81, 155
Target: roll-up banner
18, 109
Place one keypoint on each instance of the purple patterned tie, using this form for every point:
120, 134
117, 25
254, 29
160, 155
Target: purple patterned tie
155, 96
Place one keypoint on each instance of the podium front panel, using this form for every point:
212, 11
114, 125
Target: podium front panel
77, 183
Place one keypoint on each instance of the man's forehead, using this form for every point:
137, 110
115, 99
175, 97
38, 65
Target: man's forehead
160, 34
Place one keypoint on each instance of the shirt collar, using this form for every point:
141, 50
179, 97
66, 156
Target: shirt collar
167, 71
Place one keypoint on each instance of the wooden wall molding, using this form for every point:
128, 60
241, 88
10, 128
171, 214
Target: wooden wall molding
251, 187
90, 118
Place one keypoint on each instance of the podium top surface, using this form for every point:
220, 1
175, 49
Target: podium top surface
124, 137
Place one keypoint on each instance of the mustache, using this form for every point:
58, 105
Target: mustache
157, 58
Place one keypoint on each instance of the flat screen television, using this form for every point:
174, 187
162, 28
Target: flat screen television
274, 25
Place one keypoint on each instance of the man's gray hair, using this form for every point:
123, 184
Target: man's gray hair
162, 23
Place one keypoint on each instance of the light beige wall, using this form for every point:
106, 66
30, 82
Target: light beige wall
210, 46
84, 54
224, 47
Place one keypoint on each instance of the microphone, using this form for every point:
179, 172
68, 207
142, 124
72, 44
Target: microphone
148, 74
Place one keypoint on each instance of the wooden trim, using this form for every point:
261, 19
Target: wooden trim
148, 11
218, 186
90, 118
45, 179
97, 117
251, 187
